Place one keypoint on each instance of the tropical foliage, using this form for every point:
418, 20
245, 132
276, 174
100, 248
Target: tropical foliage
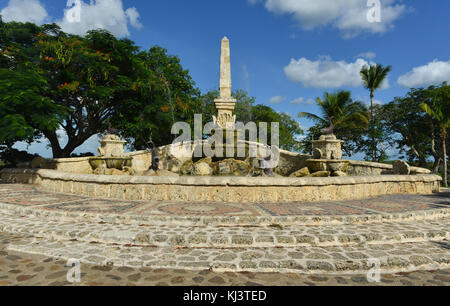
51, 81
373, 77
339, 111
438, 107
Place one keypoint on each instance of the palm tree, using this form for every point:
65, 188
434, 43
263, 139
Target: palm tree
439, 108
339, 110
373, 77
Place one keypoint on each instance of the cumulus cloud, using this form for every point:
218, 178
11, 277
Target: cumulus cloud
302, 100
349, 16
133, 15
326, 73
276, 100
433, 73
101, 14
24, 11
368, 55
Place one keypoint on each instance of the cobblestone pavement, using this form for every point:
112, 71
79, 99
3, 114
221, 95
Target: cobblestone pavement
28, 270
26, 199
310, 249
30, 196
299, 244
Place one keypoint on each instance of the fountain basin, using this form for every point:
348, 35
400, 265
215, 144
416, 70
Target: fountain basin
224, 189
315, 165
110, 162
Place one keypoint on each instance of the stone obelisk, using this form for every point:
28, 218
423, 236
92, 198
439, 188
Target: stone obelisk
225, 103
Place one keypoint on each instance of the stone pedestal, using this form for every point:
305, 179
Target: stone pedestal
327, 147
225, 107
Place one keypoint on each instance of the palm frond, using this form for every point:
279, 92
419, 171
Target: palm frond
312, 117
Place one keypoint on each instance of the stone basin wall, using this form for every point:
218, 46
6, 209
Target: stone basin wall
362, 168
224, 189
71, 165
174, 156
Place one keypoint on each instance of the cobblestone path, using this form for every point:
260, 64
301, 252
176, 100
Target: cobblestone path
30, 270
319, 243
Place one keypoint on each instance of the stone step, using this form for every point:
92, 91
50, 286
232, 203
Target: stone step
228, 237
389, 258
188, 221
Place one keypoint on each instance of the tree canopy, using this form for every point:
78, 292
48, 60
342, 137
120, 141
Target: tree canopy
438, 108
347, 117
53, 80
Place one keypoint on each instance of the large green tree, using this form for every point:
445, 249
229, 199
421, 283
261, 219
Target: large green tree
86, 84
376, 141
412, 131
173, 97
25, 109
438, 107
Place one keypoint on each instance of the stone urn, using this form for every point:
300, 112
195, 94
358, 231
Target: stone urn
111, 146
327, 147
111, 154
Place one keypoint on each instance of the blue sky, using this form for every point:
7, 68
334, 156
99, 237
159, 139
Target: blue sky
284, 52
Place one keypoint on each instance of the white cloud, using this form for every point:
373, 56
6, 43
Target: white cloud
349, 16
24, 11
368, 55
433, 73
326, 73
133, 16
301, 100
276, 100
298, 101
102, 14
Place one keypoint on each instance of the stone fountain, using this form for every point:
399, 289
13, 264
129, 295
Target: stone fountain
111, 156
327, 157
225, 136
171, 173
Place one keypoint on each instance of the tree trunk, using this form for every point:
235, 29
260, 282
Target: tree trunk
420, 157
371, 103
436, 165
444, 150
54, 143
374, 151
436, 155
72, 144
